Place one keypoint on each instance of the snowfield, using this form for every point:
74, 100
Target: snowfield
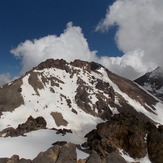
44, 101
33, 143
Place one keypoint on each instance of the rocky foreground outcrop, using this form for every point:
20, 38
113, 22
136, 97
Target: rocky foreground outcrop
30, 125
74, 97
55, 154
127, 132
65, 154
123, 131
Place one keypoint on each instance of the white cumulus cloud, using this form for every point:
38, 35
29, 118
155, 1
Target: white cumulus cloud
70, 45
139, 34
4, 78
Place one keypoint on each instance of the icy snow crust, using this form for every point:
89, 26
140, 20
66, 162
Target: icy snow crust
47, 102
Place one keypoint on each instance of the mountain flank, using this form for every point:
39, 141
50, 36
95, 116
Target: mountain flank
82, 113
153, 82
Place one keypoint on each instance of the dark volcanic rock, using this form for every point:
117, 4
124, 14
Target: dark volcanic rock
51, 63
62, 131
129, 133
122, 131
95, 66
155, 144
30, 125
60, 143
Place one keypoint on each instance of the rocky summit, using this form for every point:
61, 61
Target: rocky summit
78, 112
153, 82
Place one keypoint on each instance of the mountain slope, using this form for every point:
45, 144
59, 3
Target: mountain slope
74, 96
153, 82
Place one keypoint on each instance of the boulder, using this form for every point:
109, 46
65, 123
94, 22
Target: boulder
123, 131
49, 156
115, 158
155, 144
67, 154
30, 125
94, 158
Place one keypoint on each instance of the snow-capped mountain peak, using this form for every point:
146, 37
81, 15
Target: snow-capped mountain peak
153, 82
73, 91
74, 97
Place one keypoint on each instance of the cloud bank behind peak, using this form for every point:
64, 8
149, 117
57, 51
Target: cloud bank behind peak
70, 45
139, 36
140, 31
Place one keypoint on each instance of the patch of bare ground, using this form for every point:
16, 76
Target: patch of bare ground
58, 118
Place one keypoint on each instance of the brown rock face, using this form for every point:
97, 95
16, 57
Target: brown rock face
67, 154
133, 91
58, 154
130, 130
10, 96
59, 120
94, 157
49, 156
34, 82
14, 159
155, 144
122, 131
30, 125
83, 100
130, 134
55, 154
115, 158
110, 158
51, 63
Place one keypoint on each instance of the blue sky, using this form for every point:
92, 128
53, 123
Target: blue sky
22, 20
118, 34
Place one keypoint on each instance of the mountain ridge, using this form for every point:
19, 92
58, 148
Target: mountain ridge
153, 82
73, 96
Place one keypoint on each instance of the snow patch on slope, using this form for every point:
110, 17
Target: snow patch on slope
47, 102
159, 112
33, 143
